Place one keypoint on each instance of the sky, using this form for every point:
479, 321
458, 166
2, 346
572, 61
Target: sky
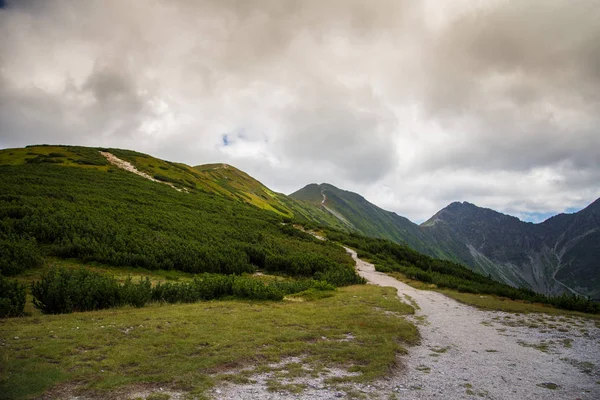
412, 104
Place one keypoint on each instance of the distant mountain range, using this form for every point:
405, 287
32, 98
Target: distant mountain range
562, 254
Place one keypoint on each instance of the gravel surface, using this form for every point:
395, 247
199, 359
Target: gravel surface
466, 353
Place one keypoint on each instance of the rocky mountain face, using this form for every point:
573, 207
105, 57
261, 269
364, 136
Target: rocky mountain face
559, 255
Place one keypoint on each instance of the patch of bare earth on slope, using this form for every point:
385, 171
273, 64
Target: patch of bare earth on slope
127, 166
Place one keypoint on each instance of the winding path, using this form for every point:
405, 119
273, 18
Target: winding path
467, 352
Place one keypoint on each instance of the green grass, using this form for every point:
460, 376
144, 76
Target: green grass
542, 346
120, 273
71, 156
221, 179
492, 302
440, 350
188, 347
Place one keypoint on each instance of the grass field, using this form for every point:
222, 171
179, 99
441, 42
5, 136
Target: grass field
189, 347
492, 302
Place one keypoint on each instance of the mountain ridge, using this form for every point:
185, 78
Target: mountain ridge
550, 257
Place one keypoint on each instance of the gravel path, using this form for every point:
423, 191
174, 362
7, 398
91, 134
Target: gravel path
496, 355
466, 353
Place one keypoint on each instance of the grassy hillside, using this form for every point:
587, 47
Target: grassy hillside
364, 217
67, 207
101, 213
188, 348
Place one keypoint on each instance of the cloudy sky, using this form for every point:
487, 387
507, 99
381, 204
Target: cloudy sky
413, 104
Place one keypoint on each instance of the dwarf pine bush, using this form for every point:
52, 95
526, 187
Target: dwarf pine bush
63, 290
12, 298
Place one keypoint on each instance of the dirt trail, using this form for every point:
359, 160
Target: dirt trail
127, 166
467, 352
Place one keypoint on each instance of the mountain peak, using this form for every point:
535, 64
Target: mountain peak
595, 206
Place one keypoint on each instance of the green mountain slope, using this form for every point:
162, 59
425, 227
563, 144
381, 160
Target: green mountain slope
361, 216
553, 257
70, 202
220, 179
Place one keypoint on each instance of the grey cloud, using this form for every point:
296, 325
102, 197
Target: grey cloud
551, 43
357, 141
517, 84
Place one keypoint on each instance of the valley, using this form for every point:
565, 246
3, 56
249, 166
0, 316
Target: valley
126, 276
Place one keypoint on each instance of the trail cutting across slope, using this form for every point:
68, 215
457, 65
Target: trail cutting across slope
467, 352
127, 166
333, 212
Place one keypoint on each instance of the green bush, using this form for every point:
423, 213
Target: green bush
18, 253
64, 290
12, 298
136, 294
254, 289
68, 290
340, 277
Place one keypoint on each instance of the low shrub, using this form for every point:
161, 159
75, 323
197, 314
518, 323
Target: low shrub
136, 294
12, 298
67, 290
18, 253
64, 290
340, 276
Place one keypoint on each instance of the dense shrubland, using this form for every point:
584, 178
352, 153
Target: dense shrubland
64, 290
392, 257
12, 298
115, 218
122, 220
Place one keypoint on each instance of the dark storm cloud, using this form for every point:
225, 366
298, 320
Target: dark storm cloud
414, 104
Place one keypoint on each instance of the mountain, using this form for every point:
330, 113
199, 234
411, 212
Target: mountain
359, 215
218, 179
120, 208
556, 256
